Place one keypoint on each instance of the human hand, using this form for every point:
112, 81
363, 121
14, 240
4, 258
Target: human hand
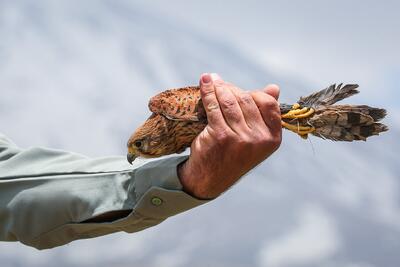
243, 130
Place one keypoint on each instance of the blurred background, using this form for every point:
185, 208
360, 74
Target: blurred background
77, 75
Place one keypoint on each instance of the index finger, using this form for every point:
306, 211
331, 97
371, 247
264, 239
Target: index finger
210, 102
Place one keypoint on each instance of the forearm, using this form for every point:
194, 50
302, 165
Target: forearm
68, 196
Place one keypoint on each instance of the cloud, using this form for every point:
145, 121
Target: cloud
347, 264
78, 76
315, 238
322, 42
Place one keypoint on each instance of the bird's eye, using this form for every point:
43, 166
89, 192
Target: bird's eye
138, 144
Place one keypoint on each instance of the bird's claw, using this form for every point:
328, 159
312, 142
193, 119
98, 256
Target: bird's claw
303, 131
297, 112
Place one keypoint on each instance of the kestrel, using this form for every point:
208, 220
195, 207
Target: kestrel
179, 116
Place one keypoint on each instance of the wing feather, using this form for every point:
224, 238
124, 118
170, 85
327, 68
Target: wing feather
329, 95
182, 104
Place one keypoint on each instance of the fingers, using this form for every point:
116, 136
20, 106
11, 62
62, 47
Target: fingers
207, 90
249, 109
230, 107
272, 90
269, 109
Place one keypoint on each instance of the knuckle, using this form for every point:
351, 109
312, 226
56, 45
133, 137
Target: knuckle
270, 104
207, 89
261, 139
274, 142
272, 120
245, 142
227, 103
234, 117
207, 92
212, 106
270, 101
223, 136
245, 99
276, 118
267, 140
276, 106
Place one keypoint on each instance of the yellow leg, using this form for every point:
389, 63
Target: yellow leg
298, 113
303, 131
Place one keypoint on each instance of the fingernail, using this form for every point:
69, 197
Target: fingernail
215, 76
206, 78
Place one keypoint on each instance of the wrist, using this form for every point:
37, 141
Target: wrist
191, 183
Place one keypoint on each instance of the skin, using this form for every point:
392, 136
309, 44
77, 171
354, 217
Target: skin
244, 129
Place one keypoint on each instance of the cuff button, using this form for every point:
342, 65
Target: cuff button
156, 201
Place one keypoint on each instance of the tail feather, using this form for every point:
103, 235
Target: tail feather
334, 133
347, 115
376, 114
347, 122
329, 96
365, 131
339, 133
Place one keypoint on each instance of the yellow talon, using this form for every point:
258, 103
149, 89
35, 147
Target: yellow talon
303, 131
297, 113
297, 128
306, 114
292, 114
296, 106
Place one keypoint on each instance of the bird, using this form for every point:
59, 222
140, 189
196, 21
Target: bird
178, 116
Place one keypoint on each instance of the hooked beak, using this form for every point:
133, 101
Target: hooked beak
131, 157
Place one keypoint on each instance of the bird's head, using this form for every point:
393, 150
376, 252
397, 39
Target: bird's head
148, 141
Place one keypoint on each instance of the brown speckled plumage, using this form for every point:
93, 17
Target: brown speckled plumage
179, 116
179, 104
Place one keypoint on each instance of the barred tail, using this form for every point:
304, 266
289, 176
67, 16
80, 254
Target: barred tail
339, 133
348, 123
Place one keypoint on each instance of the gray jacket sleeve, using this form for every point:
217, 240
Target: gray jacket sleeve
47, 196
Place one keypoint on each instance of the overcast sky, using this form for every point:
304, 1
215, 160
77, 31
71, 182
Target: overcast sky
316, 41
77, 75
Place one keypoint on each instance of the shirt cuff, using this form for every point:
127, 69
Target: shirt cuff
158, 190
